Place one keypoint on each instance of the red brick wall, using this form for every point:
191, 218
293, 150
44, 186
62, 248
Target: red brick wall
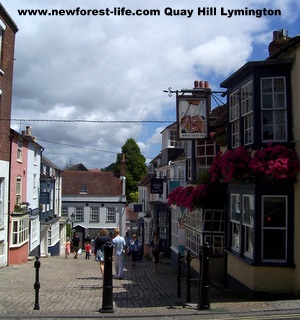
6, 78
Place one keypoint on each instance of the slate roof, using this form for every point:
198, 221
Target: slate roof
97, 183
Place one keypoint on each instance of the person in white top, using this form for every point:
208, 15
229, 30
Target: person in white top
118, 252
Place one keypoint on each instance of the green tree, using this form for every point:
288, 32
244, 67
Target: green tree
135, 167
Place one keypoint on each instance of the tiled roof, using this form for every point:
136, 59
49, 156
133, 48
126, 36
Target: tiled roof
97, 183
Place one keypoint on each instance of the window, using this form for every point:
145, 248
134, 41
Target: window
2, 29
1, 202
235, 216
53, 234
34, 233
247, 112
35, 157
213, 230
248, 224
274, 228
111, 215
234, 115
19, 191
205, 153
19, 233
19, 151
83, 188
94, 215
78, 214
64, 211
274, 109
173, 138
34, 192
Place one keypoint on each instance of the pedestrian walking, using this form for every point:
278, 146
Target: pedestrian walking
118, 251
134, 248
67, 247
100, 241
87, 250
75, 245
156, 245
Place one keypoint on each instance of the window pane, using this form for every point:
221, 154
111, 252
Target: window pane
274, 212
274, 244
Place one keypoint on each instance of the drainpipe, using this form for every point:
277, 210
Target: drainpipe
8, 203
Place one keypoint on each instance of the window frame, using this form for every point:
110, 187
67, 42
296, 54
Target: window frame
276, 113
93, 214
110, 214
247, 112
20, 234
248, 227
78, 214
19, 150
234, 117
263, 228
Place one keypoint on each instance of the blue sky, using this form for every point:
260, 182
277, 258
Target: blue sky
115, 68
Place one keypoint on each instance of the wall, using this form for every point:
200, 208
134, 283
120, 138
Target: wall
260, 279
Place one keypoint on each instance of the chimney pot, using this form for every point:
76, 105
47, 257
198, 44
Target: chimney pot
196, 84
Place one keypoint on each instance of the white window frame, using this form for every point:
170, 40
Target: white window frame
234, 115
272, 228
19, 190
110, 214
53, 234
95, 214
19, 150
204, 157
78, 214
247, 112
2, 222
83, 189
248, 224
277, 112
19, 231
235, 219
34, 232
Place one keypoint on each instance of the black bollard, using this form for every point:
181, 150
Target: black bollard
179, 260
205, 278
107, 296
188, 276
37, 265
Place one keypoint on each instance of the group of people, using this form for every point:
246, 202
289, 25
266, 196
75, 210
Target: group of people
122, 247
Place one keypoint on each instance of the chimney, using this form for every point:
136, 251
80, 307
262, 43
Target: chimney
122, 166
280, 38
28, 131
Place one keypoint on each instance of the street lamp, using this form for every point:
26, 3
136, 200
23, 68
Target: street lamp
72, 219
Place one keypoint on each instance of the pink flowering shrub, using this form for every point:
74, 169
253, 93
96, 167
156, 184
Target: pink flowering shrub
230, 166
189, 197
275, 162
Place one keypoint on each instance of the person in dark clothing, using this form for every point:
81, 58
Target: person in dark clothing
99, 242
156, 245
75, 245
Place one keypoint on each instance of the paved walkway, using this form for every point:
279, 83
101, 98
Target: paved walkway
72, 288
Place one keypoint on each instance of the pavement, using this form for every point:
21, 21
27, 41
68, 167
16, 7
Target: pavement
73, 288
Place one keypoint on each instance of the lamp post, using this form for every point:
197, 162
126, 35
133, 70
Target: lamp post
72, 219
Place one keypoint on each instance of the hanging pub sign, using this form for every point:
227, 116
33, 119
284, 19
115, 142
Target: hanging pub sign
157, 185
192, 116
